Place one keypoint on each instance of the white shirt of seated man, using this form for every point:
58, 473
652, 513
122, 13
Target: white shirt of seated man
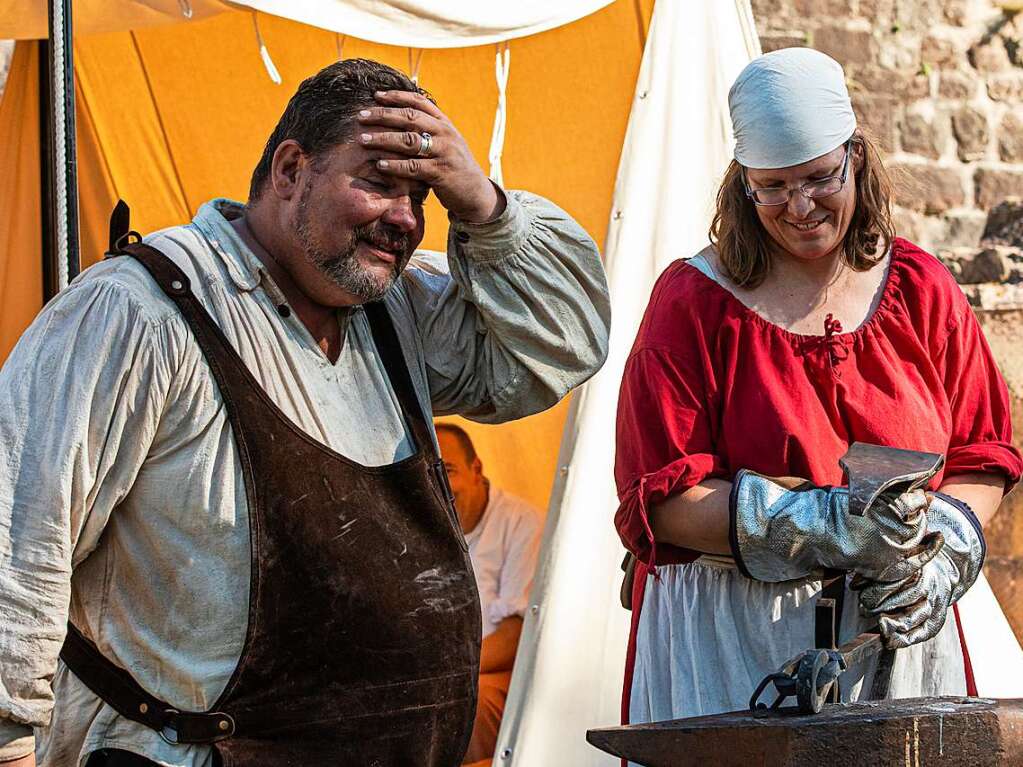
503, 533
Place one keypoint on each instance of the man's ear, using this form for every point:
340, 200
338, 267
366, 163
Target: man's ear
477, 466
286, 167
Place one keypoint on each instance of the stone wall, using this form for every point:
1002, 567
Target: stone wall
939, 83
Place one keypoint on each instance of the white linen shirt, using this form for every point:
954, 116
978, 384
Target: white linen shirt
503, 548
121, 495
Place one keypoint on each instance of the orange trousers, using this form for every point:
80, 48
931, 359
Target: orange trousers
493, 692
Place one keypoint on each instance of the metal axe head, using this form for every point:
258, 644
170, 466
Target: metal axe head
875, 469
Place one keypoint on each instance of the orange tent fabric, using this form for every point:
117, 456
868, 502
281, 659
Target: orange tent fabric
21, 278
171, 116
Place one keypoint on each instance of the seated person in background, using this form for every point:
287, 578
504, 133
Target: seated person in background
503, 533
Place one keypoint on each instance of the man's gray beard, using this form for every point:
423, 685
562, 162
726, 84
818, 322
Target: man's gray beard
343, 269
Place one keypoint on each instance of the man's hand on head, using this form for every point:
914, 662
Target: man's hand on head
397, 126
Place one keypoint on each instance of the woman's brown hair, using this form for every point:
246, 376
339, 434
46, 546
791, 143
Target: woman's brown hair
744, 247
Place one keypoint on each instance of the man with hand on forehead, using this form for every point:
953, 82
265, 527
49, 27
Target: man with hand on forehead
235, 530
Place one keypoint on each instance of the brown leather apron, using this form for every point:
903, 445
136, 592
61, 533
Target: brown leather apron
364, 621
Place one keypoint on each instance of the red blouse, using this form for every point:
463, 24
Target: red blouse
711, 387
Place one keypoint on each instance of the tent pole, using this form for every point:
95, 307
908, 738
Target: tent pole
46, 240
61, 262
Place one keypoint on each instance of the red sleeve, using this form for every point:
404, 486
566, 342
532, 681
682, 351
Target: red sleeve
981, 437
665, 439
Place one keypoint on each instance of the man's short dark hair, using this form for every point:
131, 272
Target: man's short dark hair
463, 439
322, 112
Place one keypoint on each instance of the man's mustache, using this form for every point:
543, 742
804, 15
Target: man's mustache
385, 238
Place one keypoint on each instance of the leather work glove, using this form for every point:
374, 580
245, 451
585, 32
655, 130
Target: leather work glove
784, 528
913, 609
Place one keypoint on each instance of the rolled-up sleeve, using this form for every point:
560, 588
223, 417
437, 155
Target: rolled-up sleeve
519, 316
981, 438
80, 398
664, 444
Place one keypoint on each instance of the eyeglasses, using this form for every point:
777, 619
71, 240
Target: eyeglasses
819, 187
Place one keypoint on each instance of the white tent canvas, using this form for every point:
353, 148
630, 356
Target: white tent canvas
413, 23
569, 670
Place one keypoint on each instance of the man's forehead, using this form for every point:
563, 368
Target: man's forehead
447, 440
451, 446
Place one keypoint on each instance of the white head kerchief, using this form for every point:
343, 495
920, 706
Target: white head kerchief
788, 107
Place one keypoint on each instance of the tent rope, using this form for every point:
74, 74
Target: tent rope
502, 66
63, 198
340, 40
415, 61
264, 54
186, 8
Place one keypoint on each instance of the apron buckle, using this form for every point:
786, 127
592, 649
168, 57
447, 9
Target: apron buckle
172, 737
171, 730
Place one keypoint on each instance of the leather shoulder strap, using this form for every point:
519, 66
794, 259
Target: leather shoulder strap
386, 339
228, 368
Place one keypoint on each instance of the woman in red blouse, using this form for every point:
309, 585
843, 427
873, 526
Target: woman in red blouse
806, 326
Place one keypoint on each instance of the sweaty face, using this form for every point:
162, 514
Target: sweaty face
339, 260
358, 228
808, 228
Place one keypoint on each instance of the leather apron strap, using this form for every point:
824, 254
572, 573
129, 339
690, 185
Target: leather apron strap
121, 692
386, 340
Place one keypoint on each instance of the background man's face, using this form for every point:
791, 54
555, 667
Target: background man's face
464, 476
357, 227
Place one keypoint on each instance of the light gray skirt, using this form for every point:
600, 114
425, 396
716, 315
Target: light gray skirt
707, 635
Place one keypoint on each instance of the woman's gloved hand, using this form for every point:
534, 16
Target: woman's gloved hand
913, 609
783, 528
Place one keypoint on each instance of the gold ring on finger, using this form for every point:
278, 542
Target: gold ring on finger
425, 142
